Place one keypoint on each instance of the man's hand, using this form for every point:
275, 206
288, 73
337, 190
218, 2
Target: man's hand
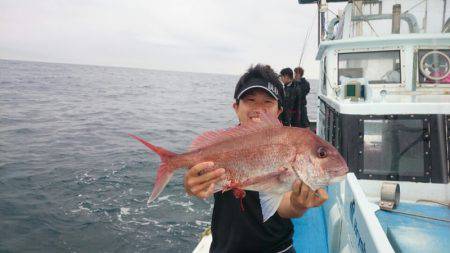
302, 197
200, 179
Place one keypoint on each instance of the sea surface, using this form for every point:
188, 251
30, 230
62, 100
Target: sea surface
72, 180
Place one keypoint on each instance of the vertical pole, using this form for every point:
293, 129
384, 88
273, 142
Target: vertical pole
321, 10
318, 24
396, 12
443, 14
425, 17
358, 12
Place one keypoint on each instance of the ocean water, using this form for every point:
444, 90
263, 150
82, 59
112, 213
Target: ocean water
72, 180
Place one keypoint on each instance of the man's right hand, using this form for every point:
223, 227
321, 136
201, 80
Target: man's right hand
200, 180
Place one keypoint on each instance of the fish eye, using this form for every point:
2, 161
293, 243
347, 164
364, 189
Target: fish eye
322, 152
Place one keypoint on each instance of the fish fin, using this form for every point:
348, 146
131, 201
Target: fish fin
165, 172
212, 137
269, 204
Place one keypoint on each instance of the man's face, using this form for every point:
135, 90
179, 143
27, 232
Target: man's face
298, 76
285, 79
255, 102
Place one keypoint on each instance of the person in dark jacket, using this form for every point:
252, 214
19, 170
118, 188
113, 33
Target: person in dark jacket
294, 106
304, 87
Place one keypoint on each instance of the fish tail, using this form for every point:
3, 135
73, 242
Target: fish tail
165, 170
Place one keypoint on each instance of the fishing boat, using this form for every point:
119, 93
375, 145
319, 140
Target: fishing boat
384, 103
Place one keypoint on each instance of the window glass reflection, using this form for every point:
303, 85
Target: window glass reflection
394, 147
376, 67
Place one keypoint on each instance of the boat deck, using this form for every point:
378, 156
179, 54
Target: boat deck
408, 233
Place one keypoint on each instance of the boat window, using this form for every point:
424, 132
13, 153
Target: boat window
395, 147
382, 67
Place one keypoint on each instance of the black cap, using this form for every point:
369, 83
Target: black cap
274, 89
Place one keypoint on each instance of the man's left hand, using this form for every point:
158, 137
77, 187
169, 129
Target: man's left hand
303, 197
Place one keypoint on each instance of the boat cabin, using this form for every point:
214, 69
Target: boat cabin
384, 103
385, 90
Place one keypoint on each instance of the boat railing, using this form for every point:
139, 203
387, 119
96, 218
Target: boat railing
360, 228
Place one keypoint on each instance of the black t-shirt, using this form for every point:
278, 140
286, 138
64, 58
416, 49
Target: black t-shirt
236, 230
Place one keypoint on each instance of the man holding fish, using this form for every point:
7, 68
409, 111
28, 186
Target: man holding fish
260, 172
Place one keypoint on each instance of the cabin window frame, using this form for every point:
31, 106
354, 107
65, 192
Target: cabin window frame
397, 49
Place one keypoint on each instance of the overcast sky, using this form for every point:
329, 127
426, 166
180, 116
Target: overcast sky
212, 36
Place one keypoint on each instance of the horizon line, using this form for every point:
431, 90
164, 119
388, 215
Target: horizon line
117, 66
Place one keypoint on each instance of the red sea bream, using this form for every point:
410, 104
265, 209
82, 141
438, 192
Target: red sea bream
260, 156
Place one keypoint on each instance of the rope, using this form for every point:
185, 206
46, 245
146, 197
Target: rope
434, 201
366, 20
334, 13
414, 6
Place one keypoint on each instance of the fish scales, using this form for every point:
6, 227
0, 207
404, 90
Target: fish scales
264, 156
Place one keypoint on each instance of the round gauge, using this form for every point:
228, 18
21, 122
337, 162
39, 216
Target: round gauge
435, 65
